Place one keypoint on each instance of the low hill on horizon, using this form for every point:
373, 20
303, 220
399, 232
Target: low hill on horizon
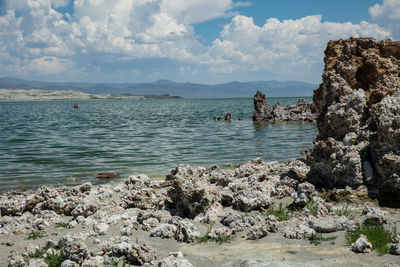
196, 90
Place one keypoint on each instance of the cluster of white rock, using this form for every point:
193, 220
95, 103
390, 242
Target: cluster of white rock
230, 202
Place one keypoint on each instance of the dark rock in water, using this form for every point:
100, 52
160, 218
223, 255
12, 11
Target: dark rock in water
302, 111
76, 105
227, 117
107, 175
358, 107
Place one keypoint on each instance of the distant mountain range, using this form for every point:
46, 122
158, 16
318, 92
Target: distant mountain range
187, 89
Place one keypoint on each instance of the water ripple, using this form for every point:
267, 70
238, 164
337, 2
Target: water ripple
49, 142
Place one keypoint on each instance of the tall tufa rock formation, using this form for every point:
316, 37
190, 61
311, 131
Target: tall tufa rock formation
302, 111
358, 107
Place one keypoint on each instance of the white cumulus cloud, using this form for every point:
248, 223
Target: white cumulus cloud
387, 15
280, 46
34, 37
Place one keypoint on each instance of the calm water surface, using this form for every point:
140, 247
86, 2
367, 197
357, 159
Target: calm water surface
50, 142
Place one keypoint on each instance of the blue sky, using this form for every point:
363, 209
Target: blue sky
208, 41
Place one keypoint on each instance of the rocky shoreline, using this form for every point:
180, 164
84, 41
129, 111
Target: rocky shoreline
188, 219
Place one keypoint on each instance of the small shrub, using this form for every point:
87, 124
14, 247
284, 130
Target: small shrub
35, 235
317, 238
38, 254
205, 237
220, 239
292, 252
63, 225
312, 207
55, 259
376, 234
281, 214
345, 211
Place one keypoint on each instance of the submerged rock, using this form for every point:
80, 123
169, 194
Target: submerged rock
358, 107
302, 111
227, 117
107, 175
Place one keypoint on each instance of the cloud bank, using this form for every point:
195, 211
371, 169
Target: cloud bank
36, 39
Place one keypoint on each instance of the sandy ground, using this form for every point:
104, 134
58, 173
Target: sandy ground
272, 250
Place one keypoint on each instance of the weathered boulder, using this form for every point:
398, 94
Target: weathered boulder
164, 230
190, 192
362, 245
220, 232
257, 231
186, 231
298, 232
330, 224
302, 111
174, 259
141, 254
137, 181
358, 107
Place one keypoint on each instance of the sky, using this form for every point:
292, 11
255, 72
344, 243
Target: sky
206, 41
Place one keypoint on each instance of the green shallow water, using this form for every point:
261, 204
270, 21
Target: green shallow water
49, 142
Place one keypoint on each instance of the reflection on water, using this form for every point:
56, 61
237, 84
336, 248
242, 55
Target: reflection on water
53, 143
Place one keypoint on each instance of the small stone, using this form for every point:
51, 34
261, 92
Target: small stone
257, 232
375, 216
141, 254
174, 259
329, 224
164, 230
362, 245
186, 232
150, 224
220, 232
137, 181
97, 261
16, 261
101, 228
68, 263
395, 249
37, 263
299, 232
121, 249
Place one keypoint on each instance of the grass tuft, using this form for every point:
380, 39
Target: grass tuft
38, 254
55, 259
222, 239
345, 211
312, 206
35, 235
317, 238
281, 214
63, 225
379, 237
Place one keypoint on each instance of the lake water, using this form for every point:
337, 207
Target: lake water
50, 142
